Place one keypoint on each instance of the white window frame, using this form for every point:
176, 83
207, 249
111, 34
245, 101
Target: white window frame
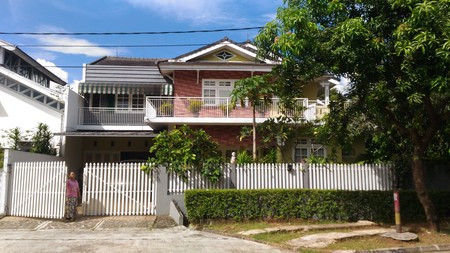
130, 105
216, 88
311, 146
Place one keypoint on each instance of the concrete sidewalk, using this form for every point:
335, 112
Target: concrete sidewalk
115, 234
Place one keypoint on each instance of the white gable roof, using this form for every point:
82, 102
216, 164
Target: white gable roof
222, 44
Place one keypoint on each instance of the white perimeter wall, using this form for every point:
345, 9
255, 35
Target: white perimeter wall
17, 110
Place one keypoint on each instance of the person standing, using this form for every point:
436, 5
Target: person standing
72, 195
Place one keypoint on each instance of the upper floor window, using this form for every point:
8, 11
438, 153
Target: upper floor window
130, 101
119, 101
217, 92
224, 55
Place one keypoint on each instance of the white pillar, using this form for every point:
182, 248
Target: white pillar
326, 85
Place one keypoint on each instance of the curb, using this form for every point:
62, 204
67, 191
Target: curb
427, 248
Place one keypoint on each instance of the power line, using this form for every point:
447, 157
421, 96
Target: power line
135, 46
133, 33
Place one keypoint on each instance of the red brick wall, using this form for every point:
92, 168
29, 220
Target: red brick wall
227, 136
185, 84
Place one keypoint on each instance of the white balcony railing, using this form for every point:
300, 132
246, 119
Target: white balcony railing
111, 116
189, 107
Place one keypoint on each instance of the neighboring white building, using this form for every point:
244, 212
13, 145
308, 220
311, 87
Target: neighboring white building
29, 94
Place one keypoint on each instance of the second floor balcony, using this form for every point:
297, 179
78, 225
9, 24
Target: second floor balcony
204, 110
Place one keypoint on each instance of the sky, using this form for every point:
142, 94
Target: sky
100, 16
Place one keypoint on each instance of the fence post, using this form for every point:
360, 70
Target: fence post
305, 171
7, 167
233, 176
162, 201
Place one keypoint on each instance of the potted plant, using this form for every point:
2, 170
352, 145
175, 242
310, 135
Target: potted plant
166, 109
226, 108
195, 106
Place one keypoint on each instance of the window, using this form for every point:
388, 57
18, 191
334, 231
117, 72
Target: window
99, 100
129, 101
137, 101
224, 55
123, 101
306, 148
217, 92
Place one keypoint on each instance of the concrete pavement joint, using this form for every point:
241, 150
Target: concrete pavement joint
42, 225
98, 225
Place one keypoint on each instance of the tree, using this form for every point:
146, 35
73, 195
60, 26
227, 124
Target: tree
258, 91
41, 140
396, 54
184, 149
14, 137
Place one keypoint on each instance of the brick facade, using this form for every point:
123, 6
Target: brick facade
185, 85
185, 81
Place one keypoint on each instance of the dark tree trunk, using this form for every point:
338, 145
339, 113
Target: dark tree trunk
254, 133
418, 171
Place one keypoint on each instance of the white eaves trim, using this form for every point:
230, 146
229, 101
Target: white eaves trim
223, 44
237, 67
25, 81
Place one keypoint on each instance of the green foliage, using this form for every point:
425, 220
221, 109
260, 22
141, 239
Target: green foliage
166, 109
184, 149
258, 90
244, 157
204, 205
226, 108
14, 137
195, 105
2, 155
41, 140
396, 54
270, 156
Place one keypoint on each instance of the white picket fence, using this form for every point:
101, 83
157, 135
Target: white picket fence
37, 189
178, 185
314, 176
117, 189
292, 176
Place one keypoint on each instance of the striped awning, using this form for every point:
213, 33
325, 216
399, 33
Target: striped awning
117, 88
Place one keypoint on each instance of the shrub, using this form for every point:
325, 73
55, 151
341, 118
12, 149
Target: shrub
332, 205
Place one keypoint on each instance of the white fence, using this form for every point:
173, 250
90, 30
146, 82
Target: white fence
292, 176
177, 185
117, 189
37, 189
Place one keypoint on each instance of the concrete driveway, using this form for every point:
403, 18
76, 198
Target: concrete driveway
114, 234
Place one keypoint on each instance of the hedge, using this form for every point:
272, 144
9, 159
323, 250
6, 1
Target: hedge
333, 205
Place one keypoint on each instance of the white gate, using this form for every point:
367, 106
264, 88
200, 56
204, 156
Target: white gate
117, 189
37, 189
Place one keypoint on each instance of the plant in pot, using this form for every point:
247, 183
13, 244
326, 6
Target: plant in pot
226, 108
166, 109
195, 106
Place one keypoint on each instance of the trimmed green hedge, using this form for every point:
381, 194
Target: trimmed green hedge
239, 205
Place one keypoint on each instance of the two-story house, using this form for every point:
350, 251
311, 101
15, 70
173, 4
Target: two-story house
29, 94
122, 103
202, 82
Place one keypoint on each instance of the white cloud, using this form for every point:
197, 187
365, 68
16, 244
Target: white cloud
69, 44
55, 70
197, 11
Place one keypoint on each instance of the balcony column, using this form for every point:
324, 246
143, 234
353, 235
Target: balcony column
326, 86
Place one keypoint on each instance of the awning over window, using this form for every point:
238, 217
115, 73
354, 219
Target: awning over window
117, 88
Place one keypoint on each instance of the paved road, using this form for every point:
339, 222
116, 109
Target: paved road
114, 235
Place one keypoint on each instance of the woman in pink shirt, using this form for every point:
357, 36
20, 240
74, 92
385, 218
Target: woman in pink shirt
72, 195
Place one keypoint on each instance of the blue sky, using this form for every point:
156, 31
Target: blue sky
70, 16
